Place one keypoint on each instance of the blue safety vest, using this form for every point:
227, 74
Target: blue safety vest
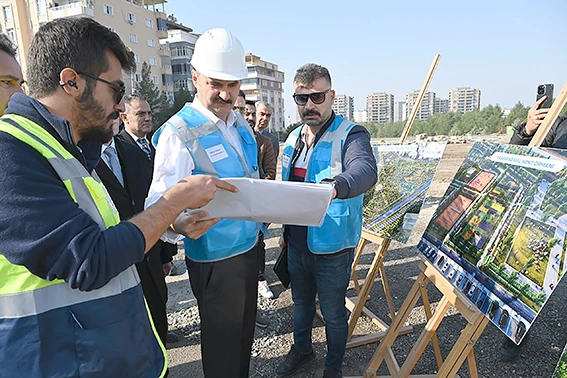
214, 155
342, 225
48, 329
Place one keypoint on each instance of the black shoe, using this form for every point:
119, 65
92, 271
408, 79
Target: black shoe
293, 361
332, 373
262, 321
509, 351
171, 338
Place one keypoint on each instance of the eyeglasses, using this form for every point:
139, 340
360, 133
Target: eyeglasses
119, 89
316, 97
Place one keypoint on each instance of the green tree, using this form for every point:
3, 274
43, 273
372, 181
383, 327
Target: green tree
147, 89
182, 96
518, 114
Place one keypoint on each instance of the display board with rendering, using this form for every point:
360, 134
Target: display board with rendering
405, 172
499, 233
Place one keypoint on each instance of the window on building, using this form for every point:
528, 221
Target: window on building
108, 9
137, 58
161, 24
155, 79
137, 77
133, 38
151, 42
271, 84
11, 35
130, 17
264, 83
40, 5
149, 23
153, 61
7, 11
180, 69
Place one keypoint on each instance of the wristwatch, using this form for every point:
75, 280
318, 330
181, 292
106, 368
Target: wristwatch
331, 181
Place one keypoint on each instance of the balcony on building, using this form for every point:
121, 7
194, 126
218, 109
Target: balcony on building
164, 50
62, 9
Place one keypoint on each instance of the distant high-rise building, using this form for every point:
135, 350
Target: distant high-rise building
427, 105
441, 105
344, 106
380, 107
265, 83
141, 26
465, 99
360, 116
400, 111
181, 45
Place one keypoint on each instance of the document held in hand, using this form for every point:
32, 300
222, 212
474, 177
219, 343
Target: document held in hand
269, 201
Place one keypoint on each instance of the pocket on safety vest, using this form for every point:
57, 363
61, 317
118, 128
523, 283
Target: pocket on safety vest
330, 236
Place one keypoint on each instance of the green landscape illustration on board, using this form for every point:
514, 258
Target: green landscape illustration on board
499, 233
405, 172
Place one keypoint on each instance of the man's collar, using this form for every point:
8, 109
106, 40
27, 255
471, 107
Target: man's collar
88, 153
197, 105
112, 144
134, 136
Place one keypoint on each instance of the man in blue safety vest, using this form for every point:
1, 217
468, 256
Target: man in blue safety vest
326, 148
208, 137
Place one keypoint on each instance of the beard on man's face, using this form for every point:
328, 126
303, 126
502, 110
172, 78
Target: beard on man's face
93, 123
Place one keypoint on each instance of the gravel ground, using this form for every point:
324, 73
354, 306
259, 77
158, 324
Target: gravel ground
538, 359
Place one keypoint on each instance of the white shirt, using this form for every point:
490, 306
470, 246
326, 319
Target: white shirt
173, 161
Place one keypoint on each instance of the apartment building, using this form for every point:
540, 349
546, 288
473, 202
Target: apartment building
181, 42
427, 105
400, 112
380, 107
441, 105
265, 83
141, 25
360, 116
344, 106
465, 99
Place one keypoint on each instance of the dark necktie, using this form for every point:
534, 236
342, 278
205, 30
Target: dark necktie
145, 147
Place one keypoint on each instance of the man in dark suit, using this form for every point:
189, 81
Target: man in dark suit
124, 171
137, 119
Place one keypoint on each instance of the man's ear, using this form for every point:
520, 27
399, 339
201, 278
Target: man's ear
123, 117
71, 82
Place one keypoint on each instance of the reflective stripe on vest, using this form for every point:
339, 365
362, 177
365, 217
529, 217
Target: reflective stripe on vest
24, 294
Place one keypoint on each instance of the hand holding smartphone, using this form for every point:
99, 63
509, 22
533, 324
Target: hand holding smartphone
545, 90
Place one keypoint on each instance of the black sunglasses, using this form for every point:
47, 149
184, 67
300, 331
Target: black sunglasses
316, 98
119, 89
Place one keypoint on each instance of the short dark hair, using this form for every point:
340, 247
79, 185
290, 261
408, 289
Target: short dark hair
310, 72
77, 43
7, 46
250, 102
242, 94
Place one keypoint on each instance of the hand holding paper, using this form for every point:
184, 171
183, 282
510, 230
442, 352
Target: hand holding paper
272, 202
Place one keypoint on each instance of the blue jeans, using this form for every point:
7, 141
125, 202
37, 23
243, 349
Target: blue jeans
328, 276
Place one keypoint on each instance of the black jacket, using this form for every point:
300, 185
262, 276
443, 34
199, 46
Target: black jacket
556, 138
129, 201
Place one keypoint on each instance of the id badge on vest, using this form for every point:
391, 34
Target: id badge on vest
216, 153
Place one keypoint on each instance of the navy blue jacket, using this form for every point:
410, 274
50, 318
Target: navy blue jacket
41, 227
361, 173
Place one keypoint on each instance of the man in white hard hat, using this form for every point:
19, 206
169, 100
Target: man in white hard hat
206, 137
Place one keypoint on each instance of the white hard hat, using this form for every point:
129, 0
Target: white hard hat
219, 55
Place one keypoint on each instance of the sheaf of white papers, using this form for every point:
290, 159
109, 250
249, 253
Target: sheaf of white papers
271, 201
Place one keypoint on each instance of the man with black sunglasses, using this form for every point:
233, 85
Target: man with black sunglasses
326, 149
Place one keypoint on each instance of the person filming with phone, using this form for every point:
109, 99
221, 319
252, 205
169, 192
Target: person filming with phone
557, 136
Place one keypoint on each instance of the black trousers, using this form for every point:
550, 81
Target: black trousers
226, 293
261, 258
